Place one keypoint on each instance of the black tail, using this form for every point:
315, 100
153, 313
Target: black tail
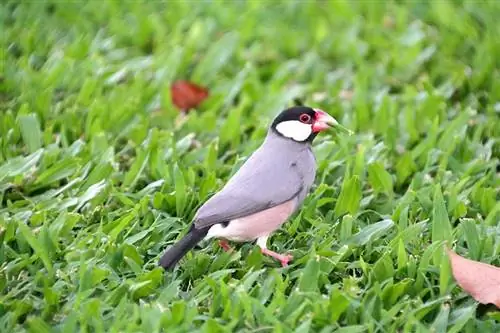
179, 249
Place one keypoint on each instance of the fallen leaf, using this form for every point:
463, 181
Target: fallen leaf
480, 280
187, 95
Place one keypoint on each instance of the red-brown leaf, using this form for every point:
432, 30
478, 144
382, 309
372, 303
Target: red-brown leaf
187, 95
480, 280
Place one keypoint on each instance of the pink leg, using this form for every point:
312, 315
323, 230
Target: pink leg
225, 246
283, 258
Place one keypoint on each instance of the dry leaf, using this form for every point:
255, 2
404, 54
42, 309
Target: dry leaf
480, 280
187, 95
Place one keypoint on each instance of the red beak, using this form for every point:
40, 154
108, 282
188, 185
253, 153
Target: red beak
322, 121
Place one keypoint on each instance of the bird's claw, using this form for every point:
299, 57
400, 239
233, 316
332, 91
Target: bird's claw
284, 259
225, 246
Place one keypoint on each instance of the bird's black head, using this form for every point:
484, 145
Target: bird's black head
302, 123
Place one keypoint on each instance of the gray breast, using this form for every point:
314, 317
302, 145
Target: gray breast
301, 159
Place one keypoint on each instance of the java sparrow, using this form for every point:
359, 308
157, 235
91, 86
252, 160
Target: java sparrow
269, 187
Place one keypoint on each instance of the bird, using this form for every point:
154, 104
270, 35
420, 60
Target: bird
264, 192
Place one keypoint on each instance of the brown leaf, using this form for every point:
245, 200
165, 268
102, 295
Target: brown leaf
187, 95
480, 280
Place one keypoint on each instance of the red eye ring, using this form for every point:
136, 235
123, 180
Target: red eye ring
305, 118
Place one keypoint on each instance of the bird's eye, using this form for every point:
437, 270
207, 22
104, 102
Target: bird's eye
305, 118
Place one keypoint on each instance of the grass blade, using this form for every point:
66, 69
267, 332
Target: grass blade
349, 198
30, 131
37, 247
441, 227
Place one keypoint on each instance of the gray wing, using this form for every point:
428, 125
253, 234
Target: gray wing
264, 181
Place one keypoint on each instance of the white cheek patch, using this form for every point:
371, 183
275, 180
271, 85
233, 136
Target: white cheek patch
294, 129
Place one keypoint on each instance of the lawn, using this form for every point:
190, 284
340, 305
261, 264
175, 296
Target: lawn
99, 173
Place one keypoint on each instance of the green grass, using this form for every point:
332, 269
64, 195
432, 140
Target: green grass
97, 177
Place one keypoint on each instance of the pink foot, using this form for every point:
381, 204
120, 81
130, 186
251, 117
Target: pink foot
283, 258
225, 246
